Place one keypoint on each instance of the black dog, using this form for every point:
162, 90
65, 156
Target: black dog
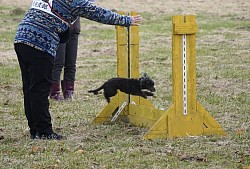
129, 86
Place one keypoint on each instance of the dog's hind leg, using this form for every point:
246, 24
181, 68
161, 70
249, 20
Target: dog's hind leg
109, 93
107, 98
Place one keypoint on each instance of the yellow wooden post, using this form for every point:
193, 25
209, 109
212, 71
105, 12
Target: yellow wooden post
128, 67
133, 36
133, 43
141, 111
186, 117
122, 71
122, 59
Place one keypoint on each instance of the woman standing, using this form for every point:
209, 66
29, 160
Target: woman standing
65, 62
44, 26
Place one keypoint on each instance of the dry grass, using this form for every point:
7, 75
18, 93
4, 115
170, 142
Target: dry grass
223, 87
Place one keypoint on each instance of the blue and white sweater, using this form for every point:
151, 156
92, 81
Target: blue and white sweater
40, 28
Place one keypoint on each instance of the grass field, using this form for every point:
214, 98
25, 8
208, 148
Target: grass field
223, 87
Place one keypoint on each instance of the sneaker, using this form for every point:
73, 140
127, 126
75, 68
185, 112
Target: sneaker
52, 136
33, 135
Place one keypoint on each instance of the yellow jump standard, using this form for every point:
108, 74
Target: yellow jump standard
134, 109
186, 117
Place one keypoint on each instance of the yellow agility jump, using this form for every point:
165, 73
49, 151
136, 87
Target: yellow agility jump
186, 116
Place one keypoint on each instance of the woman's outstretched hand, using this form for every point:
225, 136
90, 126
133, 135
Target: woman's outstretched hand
136, 20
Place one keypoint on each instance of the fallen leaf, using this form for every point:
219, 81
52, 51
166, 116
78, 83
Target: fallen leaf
246, 167
239, 132
80, 151
35, 149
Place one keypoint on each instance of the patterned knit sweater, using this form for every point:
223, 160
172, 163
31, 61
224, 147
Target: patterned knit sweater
40, 28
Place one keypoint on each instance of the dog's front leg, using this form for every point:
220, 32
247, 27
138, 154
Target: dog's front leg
148, 93
142, 94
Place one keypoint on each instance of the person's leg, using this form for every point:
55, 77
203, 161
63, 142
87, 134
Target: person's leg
70, 58
56, 72
24, 66
40, 75
59, 62
39, 68
70, 66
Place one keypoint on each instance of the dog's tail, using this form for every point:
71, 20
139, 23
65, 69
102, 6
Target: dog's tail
95, 91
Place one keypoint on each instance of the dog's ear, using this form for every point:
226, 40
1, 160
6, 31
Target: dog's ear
142, 77
145, 76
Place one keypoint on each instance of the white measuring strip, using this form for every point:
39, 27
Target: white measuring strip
119, 111
184, 70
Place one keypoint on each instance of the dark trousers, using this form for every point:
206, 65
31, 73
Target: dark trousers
66, 58
36, 69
